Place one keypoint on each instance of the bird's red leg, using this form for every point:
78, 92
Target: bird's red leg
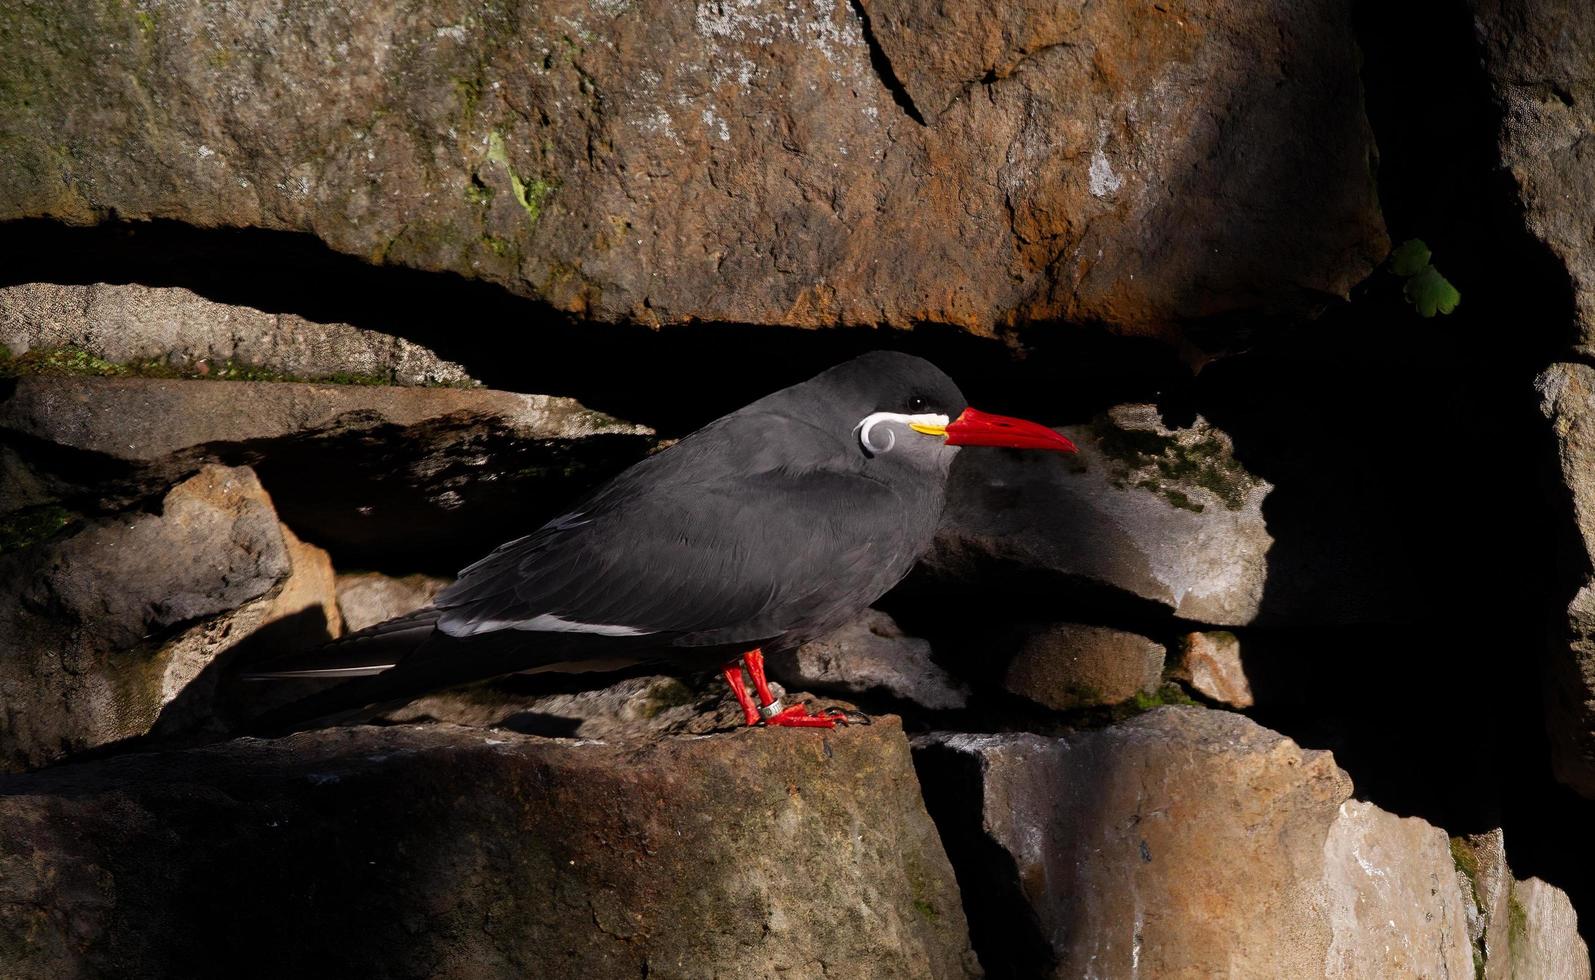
796, 716
755, 660
733, 675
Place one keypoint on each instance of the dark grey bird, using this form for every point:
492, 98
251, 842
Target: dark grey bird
765, 529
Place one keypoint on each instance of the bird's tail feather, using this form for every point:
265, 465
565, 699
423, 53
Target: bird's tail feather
366, 653
385, 666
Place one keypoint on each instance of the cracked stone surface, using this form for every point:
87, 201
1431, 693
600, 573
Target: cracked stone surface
743, 162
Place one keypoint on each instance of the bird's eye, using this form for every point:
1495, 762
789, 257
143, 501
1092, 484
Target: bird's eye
917, 405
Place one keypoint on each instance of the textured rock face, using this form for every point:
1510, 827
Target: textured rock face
871, 654
424, 852
1540, 58
586, 707
1519, 929
1208, 846
1549, 944
373, 473
1165, 515
1567, 397
1068, 665
124, 323
108, 629
738, 162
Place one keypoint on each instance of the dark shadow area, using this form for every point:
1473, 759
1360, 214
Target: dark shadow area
959, 613
1003, 927
374, 502
1417, 513
673, 379
431, 497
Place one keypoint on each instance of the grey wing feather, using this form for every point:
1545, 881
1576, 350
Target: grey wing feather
713, 534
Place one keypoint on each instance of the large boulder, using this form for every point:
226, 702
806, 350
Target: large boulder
377, 474
175, 329
444, 851
1540, 61
1191, 842
806, 164
108, 630
1163, 515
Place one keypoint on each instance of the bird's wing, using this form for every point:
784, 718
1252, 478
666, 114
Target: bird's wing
721, 534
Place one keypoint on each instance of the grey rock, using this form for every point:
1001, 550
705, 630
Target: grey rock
745, 163
1209, 846
871, 654
594, 706
107, 630
439, 851
1567, 399
125, 323
1070, 665
633, 707
368, 598
1548, 945
1166, 515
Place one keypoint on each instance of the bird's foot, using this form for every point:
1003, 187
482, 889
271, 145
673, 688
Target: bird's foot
798, 716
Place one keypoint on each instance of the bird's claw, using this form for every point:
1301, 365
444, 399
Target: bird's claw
798, 716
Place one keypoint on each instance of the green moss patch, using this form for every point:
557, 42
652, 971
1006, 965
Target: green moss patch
1466, 862
73, 361
1517, 919
31, 525
69, 359
1170, 466
665, 695
1169, 694
530, 195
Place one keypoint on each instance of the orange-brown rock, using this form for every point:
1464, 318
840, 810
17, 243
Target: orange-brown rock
1136, 165
1073, 665
1211, 664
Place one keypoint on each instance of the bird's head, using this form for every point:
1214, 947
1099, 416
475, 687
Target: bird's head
904, 408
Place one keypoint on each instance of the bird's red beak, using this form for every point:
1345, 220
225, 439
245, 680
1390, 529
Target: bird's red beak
976, 428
